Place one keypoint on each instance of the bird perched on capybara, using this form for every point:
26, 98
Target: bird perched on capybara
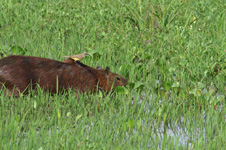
20, 73
78, 57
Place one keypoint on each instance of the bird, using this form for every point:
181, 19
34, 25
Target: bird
78, 57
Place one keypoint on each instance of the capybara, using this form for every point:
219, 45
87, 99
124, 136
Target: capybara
20, 73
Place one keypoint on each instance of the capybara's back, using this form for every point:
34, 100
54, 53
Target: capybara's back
20, 73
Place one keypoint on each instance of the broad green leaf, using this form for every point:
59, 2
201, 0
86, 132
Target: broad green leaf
17, 50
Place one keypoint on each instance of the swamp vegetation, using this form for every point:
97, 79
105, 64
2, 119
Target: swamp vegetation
173, 54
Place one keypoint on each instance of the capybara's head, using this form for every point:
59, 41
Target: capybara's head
111, 80
106, 79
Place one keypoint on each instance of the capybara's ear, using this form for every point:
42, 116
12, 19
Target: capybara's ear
107, 70
99, 67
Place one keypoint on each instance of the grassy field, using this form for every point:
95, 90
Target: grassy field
173, 54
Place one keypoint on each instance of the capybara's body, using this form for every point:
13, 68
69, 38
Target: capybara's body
19, 73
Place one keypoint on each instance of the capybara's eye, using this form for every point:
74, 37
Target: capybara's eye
118, 78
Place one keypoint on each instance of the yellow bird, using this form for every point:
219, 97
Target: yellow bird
78, 57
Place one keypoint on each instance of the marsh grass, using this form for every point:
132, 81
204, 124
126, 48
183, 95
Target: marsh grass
172, 52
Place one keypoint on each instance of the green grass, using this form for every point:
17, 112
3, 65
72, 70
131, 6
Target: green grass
172, 53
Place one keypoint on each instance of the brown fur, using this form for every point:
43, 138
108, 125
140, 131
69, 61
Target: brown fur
18, 72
